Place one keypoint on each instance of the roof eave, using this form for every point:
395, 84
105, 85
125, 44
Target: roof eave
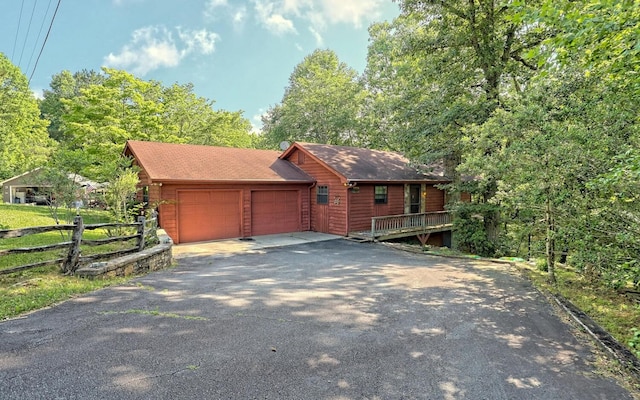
229, 181
399, 181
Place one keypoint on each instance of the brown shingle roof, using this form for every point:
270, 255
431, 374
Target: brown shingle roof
357, 164
170, 162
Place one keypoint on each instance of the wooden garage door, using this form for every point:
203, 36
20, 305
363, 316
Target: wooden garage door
274, 211
208, 215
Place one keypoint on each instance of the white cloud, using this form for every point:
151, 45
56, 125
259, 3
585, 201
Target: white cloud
278, 16
200, 41
295, 6
210, 8
317, 36
38, 93
256, 121
237, 14
353, 12
154, 47
275, 22
239, 17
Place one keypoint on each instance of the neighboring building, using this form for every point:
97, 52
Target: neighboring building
31, 188
24, 189
205, 193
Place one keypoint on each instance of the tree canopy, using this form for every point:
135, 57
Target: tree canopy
321, 104
24, 142
97, 114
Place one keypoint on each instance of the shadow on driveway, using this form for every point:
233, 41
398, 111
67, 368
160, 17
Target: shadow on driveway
325, 320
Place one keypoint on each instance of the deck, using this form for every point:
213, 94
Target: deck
405, 225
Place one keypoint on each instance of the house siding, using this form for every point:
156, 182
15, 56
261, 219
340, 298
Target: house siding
362, 205
336, 209
434, 200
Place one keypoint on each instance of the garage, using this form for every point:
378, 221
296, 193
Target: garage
275, 211
207, 193
208, 215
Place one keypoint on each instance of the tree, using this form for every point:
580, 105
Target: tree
193, 119
601, 35
24, 143
64, 85
557, 154
104, 115
321, 104
458, 62
61, 190
120, 194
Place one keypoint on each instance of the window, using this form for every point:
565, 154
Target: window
380, 195
300, 157
145, 194
322, 195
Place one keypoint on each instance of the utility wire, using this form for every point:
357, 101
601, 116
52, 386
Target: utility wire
26, 36
45, 40
15, 41
44, 18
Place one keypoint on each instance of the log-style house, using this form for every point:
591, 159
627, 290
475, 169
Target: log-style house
207, 193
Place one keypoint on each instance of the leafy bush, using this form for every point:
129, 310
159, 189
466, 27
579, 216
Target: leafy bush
469, 229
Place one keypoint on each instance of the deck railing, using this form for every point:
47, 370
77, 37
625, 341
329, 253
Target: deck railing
381, 226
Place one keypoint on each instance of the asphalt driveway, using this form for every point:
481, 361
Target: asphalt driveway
326, 320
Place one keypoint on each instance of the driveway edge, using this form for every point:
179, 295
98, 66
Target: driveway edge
620, 353
616, 350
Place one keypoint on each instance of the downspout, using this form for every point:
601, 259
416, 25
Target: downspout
348, 210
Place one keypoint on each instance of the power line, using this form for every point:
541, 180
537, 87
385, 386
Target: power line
24, 44
45, 40
35, 46
15, 41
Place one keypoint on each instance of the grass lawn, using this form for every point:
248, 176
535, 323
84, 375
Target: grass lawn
24, 291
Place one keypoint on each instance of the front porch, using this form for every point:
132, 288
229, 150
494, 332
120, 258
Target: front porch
405, 225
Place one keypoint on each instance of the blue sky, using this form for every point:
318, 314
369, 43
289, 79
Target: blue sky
239, 53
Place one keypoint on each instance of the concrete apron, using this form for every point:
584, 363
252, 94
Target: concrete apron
227, 247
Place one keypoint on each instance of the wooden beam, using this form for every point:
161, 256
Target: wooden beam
423, 237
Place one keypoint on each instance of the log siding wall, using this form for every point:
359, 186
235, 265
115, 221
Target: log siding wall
336, 209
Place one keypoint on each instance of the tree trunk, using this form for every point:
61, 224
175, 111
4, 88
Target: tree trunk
492, 215
550, 242
451, 163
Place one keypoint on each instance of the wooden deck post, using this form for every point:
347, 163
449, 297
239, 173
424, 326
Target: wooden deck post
373, 228
71, 262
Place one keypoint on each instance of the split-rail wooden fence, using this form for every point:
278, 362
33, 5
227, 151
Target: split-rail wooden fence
145, 232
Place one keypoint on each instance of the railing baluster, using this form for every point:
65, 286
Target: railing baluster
381, 226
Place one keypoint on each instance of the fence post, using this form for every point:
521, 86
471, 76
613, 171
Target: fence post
141, 221
71, 263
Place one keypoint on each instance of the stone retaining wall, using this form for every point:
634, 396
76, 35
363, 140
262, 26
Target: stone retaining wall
151, 259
